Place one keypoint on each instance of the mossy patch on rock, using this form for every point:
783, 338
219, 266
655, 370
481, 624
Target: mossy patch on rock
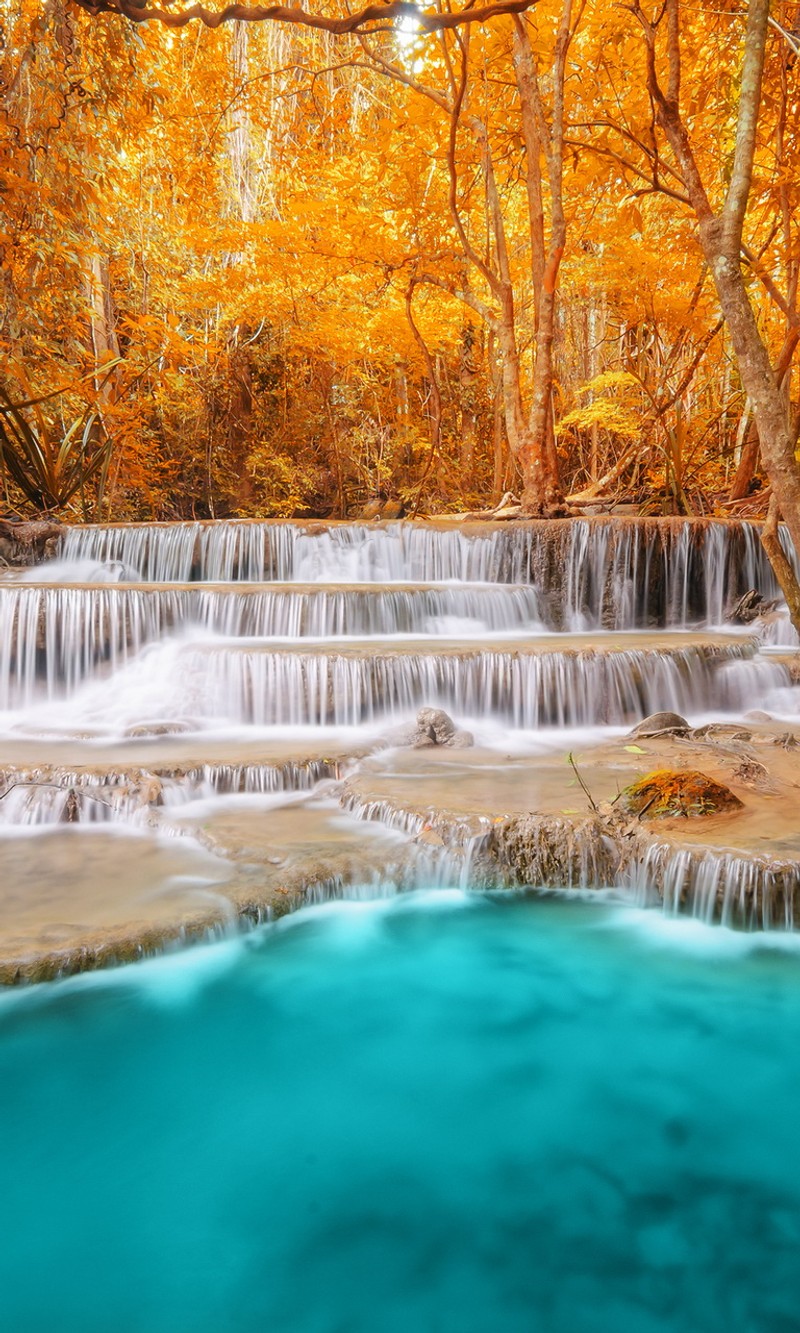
670, 794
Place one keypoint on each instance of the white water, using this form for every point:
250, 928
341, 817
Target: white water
108, 660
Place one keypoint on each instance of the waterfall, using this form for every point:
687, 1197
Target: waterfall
229, 691
214, 681
61, 633
611, 574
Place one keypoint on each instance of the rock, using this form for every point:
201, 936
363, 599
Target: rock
145, 729
758, 715
749, 607
29, 543
380, 508
657, 723
667, 794
434, 727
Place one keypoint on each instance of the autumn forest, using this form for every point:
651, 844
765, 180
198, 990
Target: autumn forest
261, 268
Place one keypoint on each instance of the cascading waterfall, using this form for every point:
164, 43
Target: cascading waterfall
158, 646
60, 796
709, 885
590, 574
551, 689
62, 633
220, 679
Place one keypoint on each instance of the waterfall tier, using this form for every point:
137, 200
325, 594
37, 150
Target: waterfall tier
62, 632
619, 573
523, 685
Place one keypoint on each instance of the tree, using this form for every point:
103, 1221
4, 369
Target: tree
343, 247
721, 230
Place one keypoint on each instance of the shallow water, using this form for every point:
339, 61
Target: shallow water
446, 1113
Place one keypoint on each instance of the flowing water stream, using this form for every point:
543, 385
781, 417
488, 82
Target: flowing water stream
154, 667
442, 1110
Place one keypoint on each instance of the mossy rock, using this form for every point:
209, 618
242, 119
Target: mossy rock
669, 794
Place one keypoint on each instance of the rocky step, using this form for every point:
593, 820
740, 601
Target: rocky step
543, 821
77, 898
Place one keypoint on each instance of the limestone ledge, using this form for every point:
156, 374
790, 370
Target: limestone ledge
247, 903
412, 817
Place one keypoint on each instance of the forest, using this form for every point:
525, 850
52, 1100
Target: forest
403, 261
399, 666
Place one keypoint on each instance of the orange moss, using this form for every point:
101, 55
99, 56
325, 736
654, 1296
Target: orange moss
669, 794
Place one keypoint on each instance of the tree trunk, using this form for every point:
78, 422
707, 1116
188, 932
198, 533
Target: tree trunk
542, 491
770, 416
721, 240
468, 376
747, 465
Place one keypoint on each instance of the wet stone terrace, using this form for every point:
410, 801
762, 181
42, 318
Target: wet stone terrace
204, 724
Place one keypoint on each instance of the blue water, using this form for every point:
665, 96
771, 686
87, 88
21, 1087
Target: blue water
441, 1114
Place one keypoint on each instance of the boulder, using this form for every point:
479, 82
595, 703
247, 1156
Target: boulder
658, 723
670, 794
29, 543
434, 727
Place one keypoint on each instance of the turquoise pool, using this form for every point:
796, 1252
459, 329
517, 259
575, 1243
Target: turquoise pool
441, 1113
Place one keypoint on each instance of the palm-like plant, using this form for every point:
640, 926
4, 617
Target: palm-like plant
48, 463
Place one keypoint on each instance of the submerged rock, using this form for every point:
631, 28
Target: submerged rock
435, 727
144, 729
659, 723
669, 794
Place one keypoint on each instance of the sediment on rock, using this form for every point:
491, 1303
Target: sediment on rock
541, 849
668, 793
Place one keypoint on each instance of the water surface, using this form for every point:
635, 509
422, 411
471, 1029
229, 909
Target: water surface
448, 1113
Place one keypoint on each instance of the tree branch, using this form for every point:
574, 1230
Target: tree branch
382, 14
749, 103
